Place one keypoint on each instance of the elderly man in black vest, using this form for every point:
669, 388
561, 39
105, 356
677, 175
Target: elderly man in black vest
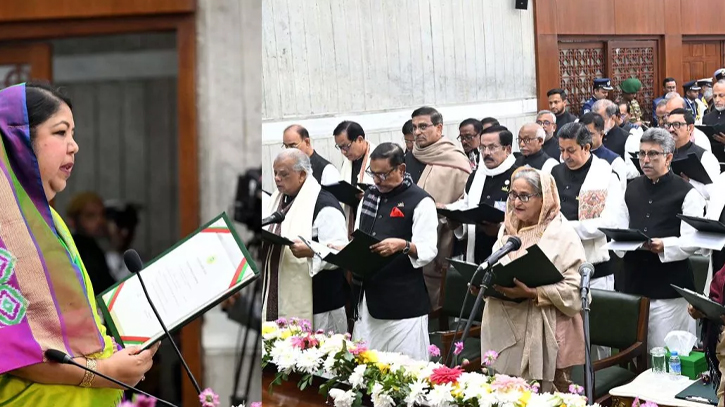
296, 136
615, 137
297, 283
653, 202
531, 142
393, 304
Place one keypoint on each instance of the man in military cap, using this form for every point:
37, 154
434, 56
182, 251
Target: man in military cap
703, 102
601, 89
692, 92
630, 87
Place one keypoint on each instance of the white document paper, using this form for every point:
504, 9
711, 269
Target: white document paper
181, 283
706, 240
624, 246
319, 249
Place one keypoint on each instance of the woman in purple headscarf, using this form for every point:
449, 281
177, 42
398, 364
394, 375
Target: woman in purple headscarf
46, 299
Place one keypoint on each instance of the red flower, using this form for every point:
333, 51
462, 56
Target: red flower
444, 374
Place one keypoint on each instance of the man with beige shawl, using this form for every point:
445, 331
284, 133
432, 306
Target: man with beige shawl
541, 338
445, 170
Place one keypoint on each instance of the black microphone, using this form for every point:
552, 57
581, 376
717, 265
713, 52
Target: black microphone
586, 270
135, 265
276, 217
513, 244
57, 356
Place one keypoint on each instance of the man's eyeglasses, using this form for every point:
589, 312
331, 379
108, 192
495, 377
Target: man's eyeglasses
676, 125
492, 148
465, 137
381, 176
652, 155
544, 123
344, 148
526, 141
523, 197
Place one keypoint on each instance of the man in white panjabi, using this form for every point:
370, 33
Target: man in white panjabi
297, 283
391, 306
653, 200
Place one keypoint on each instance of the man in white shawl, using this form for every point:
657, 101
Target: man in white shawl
489, 184
296, 282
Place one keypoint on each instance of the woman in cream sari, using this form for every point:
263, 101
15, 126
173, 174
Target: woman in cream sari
541, 337
46, 297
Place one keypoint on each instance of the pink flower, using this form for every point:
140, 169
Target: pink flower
208, 398
649, 404
281, 322
459, 348
576, 389
256, 404
507, 383
358, 349
144, 401
298, 342
465, 362
126, 404
444, 374
434, 351
489, 358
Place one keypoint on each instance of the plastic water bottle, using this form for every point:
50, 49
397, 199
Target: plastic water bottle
675, 366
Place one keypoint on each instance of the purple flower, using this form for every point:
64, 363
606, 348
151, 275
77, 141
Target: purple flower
459, 348
208, 398
649, 404
126, 404
434, 351
294, 321
489, 358
281, 322
256, 404
320, 332
576, 389
535, 387
306, 325
144, 401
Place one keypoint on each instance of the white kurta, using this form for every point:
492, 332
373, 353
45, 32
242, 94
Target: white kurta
407, 336
330, 175
329, 227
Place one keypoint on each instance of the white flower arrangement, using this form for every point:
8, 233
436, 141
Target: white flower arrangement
392, 379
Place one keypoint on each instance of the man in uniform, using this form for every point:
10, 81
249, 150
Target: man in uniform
601, 89
630, 87
692, 92
296, 136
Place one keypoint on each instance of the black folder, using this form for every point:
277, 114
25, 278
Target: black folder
533, 269
275, 238
625, 235
710, 308
711, 131
692, 167
364, 186
478, 214
704, 225
699, 392
358, 258
344, 192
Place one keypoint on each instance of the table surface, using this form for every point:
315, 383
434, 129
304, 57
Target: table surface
657, 388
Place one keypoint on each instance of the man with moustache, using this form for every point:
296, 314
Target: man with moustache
653, 202
547, 121
680, 124
296, 136
488, 184
675, 101
559, 106
296, 283
445, 169
350, 140
469, 134
531, 140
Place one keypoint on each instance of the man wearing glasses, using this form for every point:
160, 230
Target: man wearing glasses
675, 101
445, 171
350, 140
548, 122
393, 305
653, 202
296, 136
488, 184
469, 134
717, 118
680, 124
531, 140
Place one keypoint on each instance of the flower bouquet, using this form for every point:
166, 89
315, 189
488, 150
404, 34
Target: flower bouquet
391, 379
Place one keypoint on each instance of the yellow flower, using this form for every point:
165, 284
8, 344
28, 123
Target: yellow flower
383, 367
525, 397
457, 391
269, 329
285, 334
368, 357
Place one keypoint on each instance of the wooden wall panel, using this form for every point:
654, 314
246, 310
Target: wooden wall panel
701, 18
577, 17
54, 9
700, 59
644, 17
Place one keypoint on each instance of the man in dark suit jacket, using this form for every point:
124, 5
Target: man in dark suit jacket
614, 136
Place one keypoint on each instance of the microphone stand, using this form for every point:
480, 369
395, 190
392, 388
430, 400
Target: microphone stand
588, 372
487, 278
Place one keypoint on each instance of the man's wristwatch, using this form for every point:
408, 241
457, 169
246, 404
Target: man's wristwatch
407, 247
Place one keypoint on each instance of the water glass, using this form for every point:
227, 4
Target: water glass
659, 362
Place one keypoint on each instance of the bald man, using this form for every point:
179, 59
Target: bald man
531, 140
296, 136
675, 101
